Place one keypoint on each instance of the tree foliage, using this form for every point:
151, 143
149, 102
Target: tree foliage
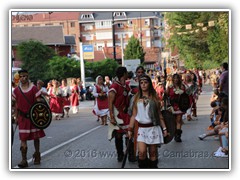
62, 67
35, 56
105, 67
197, 49
134, 50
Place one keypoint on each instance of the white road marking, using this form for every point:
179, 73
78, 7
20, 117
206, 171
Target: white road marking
64, 143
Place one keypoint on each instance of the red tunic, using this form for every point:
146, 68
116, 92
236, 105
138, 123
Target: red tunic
56, 103
101, 102
121, 100
26, 129
74, 96
174, 99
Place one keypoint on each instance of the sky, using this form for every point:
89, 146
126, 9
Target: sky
233, 5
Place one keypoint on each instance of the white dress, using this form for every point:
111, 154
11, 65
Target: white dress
148, 135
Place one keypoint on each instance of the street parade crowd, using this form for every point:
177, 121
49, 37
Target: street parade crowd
142, 109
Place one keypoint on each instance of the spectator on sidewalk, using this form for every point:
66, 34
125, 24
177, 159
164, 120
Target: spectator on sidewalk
223, 82
222, 117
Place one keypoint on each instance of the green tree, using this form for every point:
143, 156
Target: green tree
106, 67
34, 56
134, 50
62, 67
197, 49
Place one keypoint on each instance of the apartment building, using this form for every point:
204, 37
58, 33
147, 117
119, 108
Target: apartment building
68, 21
97, 27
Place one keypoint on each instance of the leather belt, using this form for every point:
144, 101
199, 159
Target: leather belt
23, 114
145, 125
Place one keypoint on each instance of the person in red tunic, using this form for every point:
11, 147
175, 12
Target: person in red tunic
75, 96
26, 129
118, 102
56, 101
174, 91
66, 93
100, 92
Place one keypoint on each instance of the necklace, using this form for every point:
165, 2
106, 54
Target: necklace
145, 101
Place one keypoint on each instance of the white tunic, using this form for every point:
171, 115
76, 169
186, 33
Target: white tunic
148, 135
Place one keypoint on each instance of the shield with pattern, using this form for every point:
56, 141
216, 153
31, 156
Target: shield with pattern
40, 115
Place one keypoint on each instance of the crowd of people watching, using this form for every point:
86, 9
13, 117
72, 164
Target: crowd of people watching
219, 115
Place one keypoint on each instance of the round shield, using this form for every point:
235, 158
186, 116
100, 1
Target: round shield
40, 115
170, 123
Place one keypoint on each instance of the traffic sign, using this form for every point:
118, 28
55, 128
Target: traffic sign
88, 52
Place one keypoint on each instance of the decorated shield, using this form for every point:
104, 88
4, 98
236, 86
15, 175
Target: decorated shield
40, 115
170, 123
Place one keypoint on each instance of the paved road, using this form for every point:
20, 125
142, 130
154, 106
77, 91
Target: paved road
80, 142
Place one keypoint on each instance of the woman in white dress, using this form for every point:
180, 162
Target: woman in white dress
151, 126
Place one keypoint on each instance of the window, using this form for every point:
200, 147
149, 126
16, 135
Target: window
120, 25
130, 23
119, 14
36, 25
87, 16
72, 24
103, 24
99, 48
61, 24
49, 24
147, 33
148, 44
87, 27
147, 22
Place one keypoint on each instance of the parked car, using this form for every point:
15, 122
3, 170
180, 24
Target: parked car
89, 84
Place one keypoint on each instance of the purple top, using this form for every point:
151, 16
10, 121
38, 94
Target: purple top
224, 81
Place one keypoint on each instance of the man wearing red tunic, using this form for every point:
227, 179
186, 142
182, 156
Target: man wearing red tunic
26, 129
118, 102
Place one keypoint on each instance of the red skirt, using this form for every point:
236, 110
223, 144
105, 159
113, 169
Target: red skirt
27, 131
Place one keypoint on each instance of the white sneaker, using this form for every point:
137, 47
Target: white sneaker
218, 151
220, 154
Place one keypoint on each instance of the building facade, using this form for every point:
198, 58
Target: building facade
97, 28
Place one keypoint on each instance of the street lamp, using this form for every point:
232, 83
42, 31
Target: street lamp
113, 36
82, 67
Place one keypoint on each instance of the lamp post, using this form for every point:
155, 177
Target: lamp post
82, 67
141, 28
113, 36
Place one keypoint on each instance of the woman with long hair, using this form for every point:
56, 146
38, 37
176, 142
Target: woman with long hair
56, 105
147, 113
174, 91
75, 96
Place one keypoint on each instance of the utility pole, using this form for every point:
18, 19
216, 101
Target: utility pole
113, 36
82, 67
141, 28
122, 47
